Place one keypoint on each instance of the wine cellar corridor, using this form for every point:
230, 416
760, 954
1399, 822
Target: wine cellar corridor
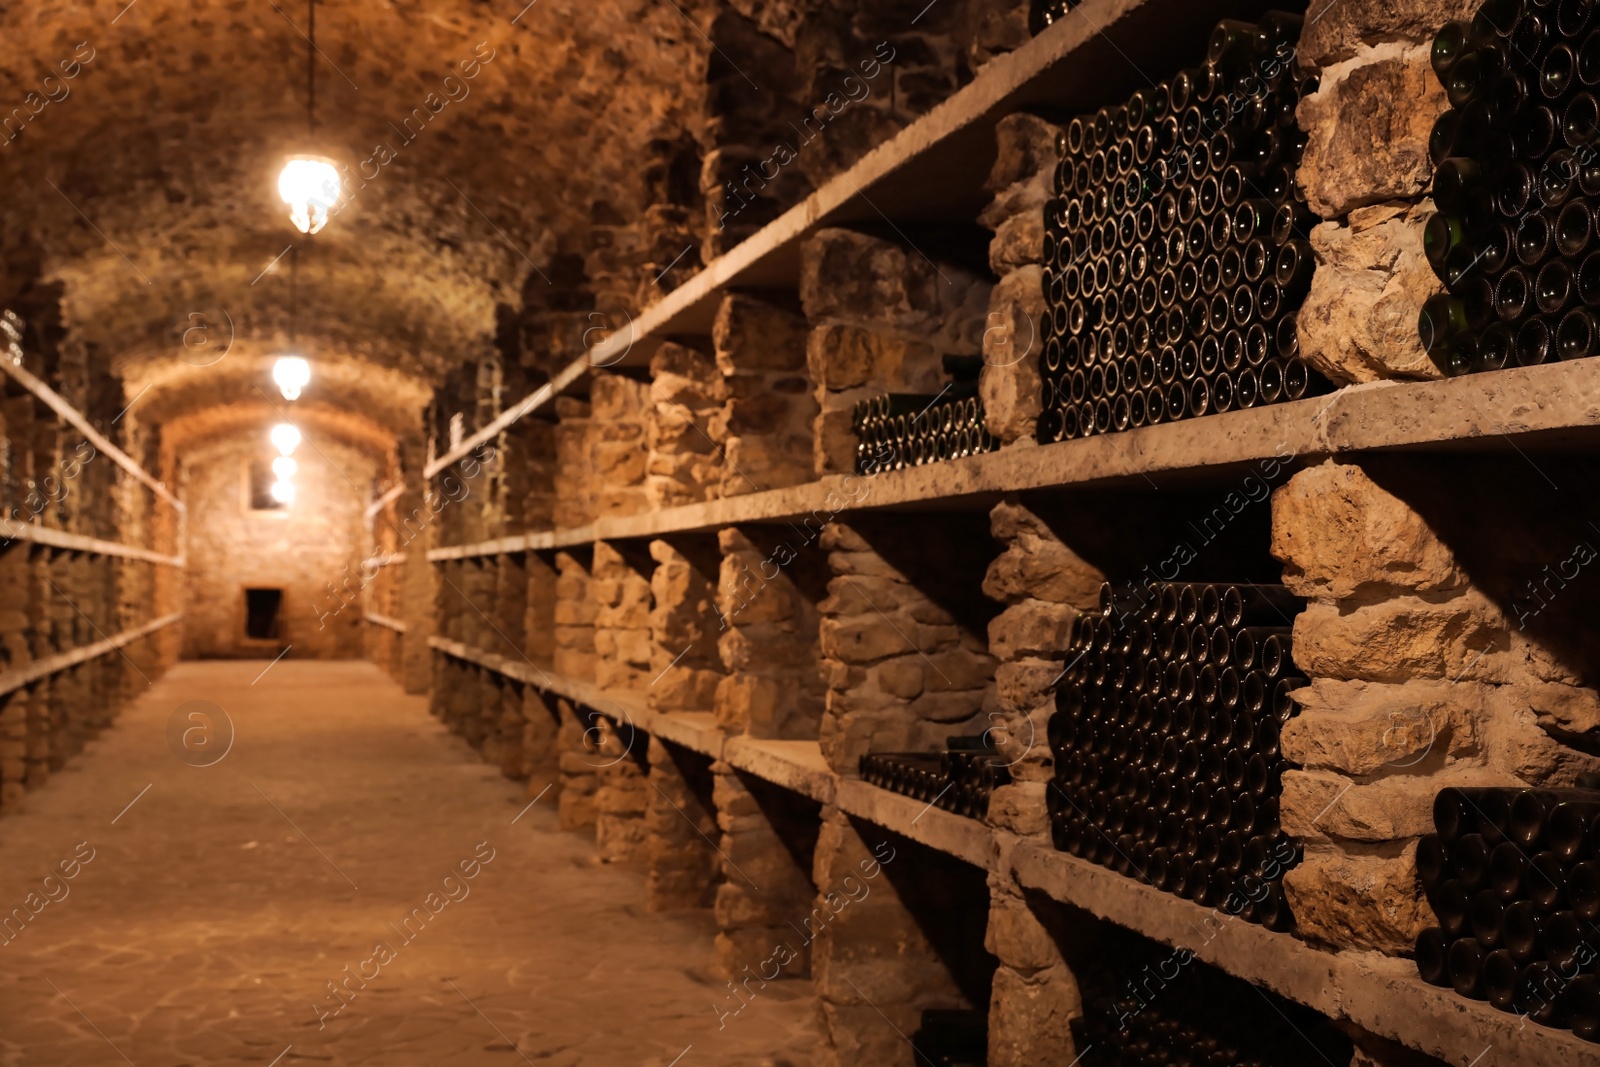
800, 533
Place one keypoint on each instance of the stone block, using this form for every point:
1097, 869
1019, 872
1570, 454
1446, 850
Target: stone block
683, 688
1515, 742
1367, 127
750, 334
1358, 901
1403, 639
614, 399
1031, 628
1318, 805
1022, 686
1020, 806
1018, 242
843, 356
862, 639
741, 699
1363, 729
1030, 1020
1359, 321
948, 706
851, 277
1034, 568
758, 462
1017, 938
745, 951
1025, 147
1009, 383
1341, 535
1344, 27
1563, 709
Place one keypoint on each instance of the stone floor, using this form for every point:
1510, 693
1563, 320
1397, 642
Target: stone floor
218, 902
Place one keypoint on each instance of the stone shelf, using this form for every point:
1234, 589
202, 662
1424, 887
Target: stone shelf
44, 535
1380, 993
386, 622
691, 730
797, 766
933, 169
39, 669
72, 416
1545, 407
964, 838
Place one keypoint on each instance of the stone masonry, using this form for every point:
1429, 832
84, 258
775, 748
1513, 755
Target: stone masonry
767, 607
684, 465
1366, 171
882, 317
1425, 674
767, 420
902, 672
1021, 181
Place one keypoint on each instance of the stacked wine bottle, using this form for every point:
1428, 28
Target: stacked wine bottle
1123, 1035
1165, 737
1042, 13
899, 430
959, 779
1513, 876
1142, 1008
1517, 173
1175, 251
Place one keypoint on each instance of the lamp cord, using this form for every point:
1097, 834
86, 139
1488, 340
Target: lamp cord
311, 66
294, 294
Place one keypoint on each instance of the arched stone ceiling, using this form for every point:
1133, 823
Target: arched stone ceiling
146, 185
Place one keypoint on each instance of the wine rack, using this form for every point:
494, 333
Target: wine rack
1175, 250
1166, 742
1513, 876
1517, 171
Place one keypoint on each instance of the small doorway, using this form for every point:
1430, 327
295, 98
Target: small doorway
262, 610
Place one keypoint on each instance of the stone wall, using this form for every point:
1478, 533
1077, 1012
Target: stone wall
1366, 172
882, 319
903, 670
620, 411
767, 597
886, 937
1447, 645
685, 668
622, 799
768, 846
54, 601
574, 484
311, 550
767, 422
620, 589
573, 619
1021, 180
681, 822
684, 430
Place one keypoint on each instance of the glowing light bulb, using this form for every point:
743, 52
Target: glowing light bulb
284, 468
285, 438
283, 492
292, 375
310, 186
